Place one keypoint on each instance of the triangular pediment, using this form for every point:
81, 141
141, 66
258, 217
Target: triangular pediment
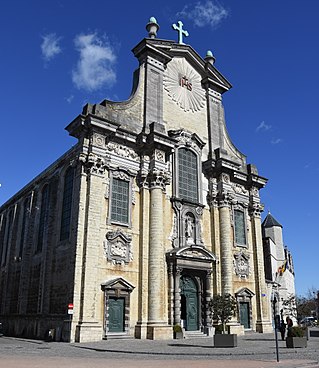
118, 283
244, 292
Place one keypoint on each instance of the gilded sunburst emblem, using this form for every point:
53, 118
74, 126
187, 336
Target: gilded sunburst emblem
183, 85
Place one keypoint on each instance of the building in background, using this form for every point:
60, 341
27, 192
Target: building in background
149, 215
279, 269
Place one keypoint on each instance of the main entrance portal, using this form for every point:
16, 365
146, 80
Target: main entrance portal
189, 303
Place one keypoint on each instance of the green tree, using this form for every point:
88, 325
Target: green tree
223, 308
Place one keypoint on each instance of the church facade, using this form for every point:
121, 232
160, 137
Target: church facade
148, 216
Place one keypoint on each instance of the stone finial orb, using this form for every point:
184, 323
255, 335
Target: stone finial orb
152, 27
210, 57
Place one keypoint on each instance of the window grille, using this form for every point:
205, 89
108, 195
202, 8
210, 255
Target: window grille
187, 175
240, 232
120, 201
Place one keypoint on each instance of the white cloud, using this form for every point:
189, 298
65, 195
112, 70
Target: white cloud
276, 141
69, 99
263, 126
50, 46
209, 13
95, 67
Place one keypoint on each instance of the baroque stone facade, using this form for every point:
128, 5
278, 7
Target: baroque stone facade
151, 213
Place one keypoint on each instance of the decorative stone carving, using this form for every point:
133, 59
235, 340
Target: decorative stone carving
122, 151
159, 155
98, 140
254, 192
183, 85
225, 178
174, 233
107, 188
188, 139
120, 175
117, 247
212, 192
255, 209
94, 164
225, 199
240, 189
159, 178
241, 264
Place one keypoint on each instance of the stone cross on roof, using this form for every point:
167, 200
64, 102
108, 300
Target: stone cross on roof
181, 31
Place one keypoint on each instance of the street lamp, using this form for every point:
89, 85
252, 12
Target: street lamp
277, 322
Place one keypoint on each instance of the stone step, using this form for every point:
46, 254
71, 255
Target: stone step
194, 334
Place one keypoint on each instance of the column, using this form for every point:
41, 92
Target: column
158, 327
156, 258
226, 257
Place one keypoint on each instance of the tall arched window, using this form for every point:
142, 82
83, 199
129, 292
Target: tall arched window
67, 204
44, 214
25, 213
187, 175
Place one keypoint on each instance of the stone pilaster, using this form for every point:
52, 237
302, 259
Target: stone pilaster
177, 293
263, 323
88, 327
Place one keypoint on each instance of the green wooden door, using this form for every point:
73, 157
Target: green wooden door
116, 314
244, 314
189, 291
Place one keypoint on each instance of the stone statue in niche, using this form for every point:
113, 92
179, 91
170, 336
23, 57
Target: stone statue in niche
189, 228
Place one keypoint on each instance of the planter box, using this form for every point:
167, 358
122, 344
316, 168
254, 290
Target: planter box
225, 341
296, 342
178, 335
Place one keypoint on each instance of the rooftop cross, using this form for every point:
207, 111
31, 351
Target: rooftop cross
181, 31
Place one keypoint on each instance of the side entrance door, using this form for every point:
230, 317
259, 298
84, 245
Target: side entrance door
116, 314
190, 301
244, 314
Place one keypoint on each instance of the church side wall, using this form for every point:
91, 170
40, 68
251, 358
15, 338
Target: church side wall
37, 273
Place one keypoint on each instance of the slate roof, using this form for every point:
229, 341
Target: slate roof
270, 221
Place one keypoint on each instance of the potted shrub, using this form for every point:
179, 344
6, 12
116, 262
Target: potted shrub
223, 308
296, 338
178, 332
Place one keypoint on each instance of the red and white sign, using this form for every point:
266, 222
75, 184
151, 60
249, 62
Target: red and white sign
70, 308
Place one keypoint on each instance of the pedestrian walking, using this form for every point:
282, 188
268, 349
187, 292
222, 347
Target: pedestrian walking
282, 329
289, 326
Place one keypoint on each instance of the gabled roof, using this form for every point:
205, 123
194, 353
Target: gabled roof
270, 221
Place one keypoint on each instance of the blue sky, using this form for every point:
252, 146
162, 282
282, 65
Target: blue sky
58, 55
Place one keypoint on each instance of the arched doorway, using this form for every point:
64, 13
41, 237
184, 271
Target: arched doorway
189, 303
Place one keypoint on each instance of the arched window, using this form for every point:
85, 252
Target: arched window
44, 214
187, 175
25, 212
67, 204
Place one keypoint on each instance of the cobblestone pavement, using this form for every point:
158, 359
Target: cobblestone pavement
254, 350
